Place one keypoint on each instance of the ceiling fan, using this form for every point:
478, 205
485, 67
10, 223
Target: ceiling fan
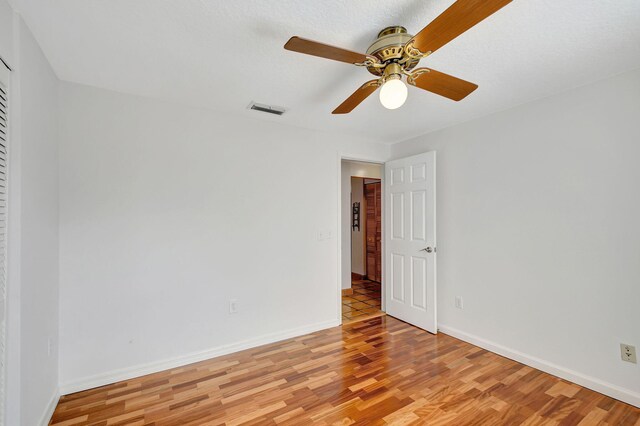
395, 54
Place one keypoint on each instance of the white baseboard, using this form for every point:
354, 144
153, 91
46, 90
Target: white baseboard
592, 383
48, 413
179, 361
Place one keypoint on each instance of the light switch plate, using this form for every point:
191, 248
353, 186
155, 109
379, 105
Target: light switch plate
233, 306
324, 234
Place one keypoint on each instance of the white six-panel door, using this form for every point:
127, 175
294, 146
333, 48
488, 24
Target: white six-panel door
410, 240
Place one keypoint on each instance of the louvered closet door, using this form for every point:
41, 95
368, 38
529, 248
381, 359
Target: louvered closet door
4, 138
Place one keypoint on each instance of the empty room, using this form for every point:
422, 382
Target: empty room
418, 212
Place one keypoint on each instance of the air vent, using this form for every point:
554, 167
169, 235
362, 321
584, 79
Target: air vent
270, 109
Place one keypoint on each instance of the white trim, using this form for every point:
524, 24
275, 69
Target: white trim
5, 78
5, 63
182, 360
14, 238
339, 244
51, 407
360, 158
592, 383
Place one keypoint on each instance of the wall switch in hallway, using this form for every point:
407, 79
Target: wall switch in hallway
459, 303
49, 345
233, 306
324, 234
628, 353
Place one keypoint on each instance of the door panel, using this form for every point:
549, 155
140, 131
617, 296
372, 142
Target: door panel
397, 277
372, 193
397, 215
418, 207
418, 277
410, 253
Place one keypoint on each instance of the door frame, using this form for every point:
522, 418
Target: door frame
362, 159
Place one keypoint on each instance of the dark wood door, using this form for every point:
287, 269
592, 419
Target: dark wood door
373, 223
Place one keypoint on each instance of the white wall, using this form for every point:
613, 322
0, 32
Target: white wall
33, 226
39, 245
349, 169
168, 212
6, 32
539, 231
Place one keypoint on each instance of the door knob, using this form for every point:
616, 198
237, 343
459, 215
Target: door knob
428, 249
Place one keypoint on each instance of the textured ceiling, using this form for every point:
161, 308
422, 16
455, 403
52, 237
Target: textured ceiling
223, 54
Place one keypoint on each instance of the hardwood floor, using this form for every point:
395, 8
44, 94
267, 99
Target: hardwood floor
378, 371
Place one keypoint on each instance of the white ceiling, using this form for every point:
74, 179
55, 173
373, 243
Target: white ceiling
223, 54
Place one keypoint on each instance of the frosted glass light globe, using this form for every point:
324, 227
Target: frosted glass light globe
393, 94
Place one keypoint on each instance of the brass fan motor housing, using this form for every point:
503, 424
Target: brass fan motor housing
389, 47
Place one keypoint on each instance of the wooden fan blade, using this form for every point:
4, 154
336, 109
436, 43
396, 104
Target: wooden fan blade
301, 45
357, 97
441, 84
457, 19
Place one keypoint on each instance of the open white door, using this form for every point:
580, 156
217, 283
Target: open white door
410, 240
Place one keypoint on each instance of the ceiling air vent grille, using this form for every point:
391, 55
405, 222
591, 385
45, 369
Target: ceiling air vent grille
269, 109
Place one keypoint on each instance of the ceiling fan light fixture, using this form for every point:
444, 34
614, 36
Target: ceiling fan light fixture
395, 53
393, 93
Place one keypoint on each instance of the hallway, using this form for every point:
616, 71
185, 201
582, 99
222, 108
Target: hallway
365, 302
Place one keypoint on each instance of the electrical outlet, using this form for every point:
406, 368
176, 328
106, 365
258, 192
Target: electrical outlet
628, 353
233, 306
459, 302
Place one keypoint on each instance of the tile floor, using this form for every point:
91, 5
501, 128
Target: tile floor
364, 303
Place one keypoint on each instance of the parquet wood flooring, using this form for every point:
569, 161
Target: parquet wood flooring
372, 372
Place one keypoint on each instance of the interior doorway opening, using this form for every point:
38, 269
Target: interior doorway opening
362, 284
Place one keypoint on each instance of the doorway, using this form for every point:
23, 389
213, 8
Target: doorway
404, 277
362, 285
